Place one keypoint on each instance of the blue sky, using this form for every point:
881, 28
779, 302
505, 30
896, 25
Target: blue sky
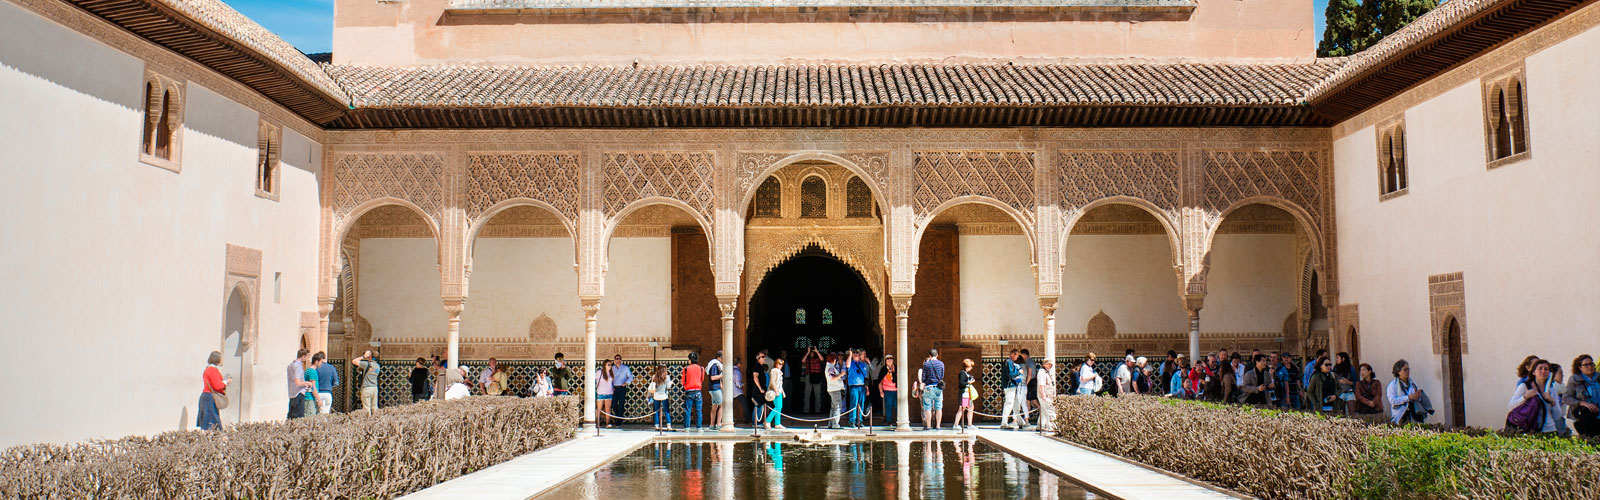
308, 24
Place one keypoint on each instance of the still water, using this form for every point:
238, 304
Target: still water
933, 470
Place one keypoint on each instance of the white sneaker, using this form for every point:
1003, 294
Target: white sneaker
780, 426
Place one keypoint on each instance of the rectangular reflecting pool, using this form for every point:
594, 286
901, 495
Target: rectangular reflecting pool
932, 469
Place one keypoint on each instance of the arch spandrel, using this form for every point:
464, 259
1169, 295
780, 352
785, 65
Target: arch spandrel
549, 177
753, 167
1005, 177
685, 177
362, 181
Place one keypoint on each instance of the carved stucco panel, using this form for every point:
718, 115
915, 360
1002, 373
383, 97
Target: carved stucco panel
686, 176
1086, 176
1006, 176
547, 176
418, 178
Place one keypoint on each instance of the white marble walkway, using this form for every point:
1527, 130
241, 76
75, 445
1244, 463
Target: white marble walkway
1100, 472
529, 475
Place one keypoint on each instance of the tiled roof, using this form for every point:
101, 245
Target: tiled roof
1025, 85
805, 4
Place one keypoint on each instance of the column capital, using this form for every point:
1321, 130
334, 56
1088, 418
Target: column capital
591, 307
1048, 305
453, 307
728, 306
1193, 302
902, 304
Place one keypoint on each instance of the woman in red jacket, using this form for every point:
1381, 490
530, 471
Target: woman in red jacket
214, 384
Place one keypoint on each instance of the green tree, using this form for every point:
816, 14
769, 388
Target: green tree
1354, 25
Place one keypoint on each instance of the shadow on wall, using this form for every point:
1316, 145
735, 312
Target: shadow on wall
32, 45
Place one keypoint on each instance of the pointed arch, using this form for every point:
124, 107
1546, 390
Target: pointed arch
878, 192
1021, 220
475, 226
629, 209
1168, 227
1301, 216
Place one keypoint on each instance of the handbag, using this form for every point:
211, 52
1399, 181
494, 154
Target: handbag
1528, 416
771, 394
220, 399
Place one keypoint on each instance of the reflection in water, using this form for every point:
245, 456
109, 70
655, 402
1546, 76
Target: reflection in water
858, 470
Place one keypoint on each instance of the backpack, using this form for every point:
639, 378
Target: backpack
1528, 416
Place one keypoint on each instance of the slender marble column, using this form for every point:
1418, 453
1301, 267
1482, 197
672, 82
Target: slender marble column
902, 315
728, 307
591, 309
1048, 305
452, 310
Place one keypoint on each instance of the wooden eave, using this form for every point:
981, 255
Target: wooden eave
1460, 43
831, 117
174, 30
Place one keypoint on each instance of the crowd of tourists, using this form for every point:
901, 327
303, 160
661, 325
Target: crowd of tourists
850, 389
1543, 401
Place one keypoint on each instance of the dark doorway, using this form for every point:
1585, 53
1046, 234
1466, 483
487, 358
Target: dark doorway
1453, 372
812, 300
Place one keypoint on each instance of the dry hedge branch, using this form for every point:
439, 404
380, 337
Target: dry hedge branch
386, 454
1294, 455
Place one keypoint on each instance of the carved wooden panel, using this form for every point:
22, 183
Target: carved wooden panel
550, 177
1006, 176
1086, 176
681, 175
1233, 175
414, 177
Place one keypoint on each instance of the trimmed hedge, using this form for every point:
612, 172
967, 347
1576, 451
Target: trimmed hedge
1294, 455
385, 454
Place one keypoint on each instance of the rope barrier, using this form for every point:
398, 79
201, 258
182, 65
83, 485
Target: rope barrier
1024, 415
648, 415
823, 419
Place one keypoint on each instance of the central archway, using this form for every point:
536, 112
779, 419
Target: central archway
812, 300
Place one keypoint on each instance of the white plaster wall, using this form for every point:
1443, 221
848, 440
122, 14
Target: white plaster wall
514, 280
1253, 283
398, 283
113, 270
638, 300
1522, 234
997, 286
1129, 277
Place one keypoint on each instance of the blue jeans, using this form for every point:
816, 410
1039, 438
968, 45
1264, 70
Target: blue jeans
691, 409
773, 416
661, 411
858, 400
889, 406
